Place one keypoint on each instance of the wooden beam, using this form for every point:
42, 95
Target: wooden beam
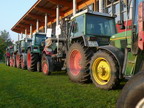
40, 18
29, 22
33, 16
79, 6
44, 10
48, 11
24, 25
64, 3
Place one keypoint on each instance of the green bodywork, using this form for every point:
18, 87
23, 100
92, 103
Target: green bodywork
123, 41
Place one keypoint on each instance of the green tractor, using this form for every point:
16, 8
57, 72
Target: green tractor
14, 54
80, 38
17, 54
25, 44
123, 58
34, 51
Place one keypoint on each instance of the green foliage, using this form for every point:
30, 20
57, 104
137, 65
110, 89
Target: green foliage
4, 42
24, 89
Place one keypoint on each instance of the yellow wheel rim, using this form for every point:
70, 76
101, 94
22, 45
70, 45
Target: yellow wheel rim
101, 71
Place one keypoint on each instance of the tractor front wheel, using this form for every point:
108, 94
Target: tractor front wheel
104, 70
18, 60
132, 95
46, 65
31, 61
77, 63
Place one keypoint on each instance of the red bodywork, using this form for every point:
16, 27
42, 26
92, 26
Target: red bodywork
128, 25
47, 52
141, 26
7, 54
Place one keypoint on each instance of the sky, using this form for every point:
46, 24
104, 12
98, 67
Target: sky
10, 13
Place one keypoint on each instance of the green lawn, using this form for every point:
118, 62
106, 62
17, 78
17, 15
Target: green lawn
24, 89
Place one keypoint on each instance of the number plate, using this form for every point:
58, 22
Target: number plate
92, 43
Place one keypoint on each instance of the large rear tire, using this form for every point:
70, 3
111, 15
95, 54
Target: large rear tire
104, 70
23, 61
77, 63
132, 95
18, 60
31, 61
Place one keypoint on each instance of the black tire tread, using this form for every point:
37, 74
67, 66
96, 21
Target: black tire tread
85, 75
132, 92
115, 79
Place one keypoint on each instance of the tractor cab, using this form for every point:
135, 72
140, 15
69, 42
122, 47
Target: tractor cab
16, 46
94, 27
37, 41
25, 44
38, 38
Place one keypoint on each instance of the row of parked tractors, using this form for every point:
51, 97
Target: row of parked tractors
89, 49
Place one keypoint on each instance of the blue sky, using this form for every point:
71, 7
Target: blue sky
11, 11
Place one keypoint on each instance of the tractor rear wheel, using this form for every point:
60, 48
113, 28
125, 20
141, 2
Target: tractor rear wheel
23, 61
77, 63
31, 61
18, 60
104, 70
46, 65
132, 95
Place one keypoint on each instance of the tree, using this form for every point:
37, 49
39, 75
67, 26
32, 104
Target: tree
5, 41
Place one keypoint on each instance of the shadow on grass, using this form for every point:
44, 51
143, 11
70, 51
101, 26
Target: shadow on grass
62, 73
121, 85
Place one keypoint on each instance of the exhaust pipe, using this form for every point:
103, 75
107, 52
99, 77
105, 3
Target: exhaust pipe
74, 7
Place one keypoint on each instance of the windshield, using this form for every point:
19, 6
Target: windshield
39, 38
100, 26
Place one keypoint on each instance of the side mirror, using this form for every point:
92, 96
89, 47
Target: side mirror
74, 27
121, 22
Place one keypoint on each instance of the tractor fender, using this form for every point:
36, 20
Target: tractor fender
79, 38
118, 55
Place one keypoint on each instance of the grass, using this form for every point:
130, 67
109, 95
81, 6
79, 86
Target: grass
24, 89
